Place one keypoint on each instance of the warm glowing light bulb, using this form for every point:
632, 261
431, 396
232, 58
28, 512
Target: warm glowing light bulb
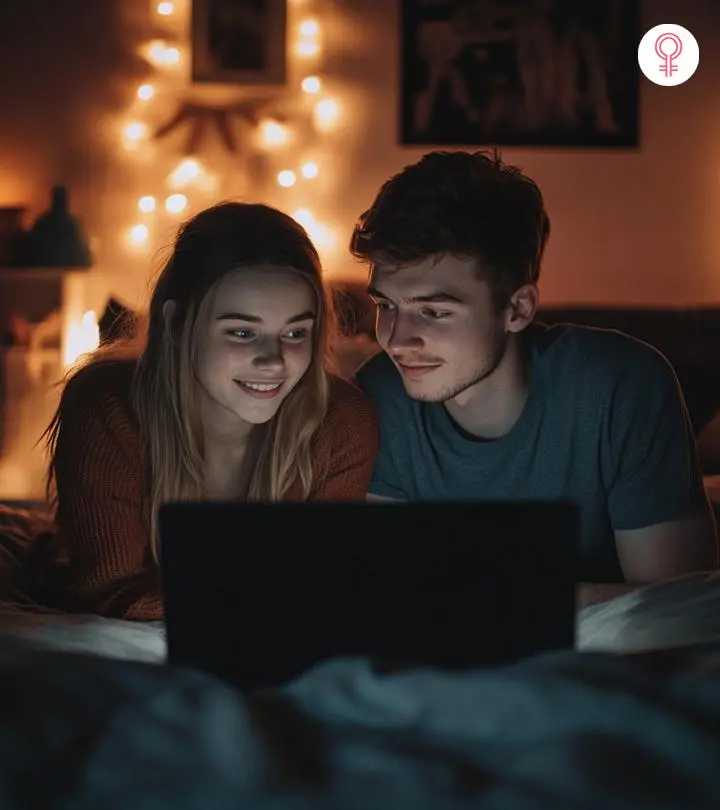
160, 53
273, 133
165, 9
307, 47
156, 50
304, 216
83, 337
139, 234
326, 113
309, 28
176, 203
146, 204
145, 92
186, 172
309, 170
286, 178
135, 132
321, 235
310, 84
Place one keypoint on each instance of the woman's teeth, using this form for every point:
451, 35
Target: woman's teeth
261, 386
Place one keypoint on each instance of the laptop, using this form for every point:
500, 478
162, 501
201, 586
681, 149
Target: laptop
258, 593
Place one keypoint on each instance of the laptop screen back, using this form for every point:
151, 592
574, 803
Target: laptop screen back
257, 593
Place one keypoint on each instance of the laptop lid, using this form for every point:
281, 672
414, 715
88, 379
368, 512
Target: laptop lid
257, 593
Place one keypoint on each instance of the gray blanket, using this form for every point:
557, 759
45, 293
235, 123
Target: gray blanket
560, 731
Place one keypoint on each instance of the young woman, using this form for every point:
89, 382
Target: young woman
229, 399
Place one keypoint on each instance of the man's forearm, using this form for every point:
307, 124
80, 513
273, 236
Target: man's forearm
592, 593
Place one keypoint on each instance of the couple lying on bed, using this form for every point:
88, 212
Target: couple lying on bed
231, 397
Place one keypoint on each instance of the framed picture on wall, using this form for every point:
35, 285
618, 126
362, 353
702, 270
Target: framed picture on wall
239, 42
519, 73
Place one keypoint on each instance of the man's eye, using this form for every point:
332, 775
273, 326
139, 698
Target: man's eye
384, 305
436, 314
296, 334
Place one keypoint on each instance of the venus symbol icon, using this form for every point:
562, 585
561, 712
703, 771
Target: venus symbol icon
668, 47
668, 55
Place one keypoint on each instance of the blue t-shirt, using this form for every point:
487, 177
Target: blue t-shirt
604, 426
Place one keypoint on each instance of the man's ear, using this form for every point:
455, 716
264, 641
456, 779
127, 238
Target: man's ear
522, 307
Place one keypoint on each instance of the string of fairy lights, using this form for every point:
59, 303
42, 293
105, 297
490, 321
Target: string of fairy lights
196, 144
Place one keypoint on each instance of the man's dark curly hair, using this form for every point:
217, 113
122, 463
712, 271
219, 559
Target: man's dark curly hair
468, 204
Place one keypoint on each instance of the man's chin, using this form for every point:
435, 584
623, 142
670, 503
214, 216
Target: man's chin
422, 391
428, 390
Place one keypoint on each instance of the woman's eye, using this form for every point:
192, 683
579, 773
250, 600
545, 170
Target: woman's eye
241, 334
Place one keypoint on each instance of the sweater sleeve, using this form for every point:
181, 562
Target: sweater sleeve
99, 478
347, 446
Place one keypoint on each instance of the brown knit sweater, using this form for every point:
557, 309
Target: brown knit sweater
103, 486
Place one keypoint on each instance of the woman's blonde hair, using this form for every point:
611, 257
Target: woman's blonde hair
218, 241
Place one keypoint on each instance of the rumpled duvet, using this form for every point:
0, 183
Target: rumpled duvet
566, 730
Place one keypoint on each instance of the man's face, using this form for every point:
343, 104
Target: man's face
438, 323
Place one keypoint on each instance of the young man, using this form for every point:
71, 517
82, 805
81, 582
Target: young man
477, 401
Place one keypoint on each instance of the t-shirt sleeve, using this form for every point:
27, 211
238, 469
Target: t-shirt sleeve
100, 508
657, 475
376, 378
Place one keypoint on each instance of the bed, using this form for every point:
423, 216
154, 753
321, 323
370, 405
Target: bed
575, 730
91, 716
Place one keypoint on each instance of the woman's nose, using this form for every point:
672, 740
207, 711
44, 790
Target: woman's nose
269, 356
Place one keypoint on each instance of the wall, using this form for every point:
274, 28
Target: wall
636, 227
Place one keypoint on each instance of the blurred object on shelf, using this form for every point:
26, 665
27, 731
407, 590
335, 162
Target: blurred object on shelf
56, 239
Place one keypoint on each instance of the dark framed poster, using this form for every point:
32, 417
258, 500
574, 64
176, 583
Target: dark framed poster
520, 73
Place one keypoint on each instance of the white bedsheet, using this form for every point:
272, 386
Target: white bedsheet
682, 611
109, 638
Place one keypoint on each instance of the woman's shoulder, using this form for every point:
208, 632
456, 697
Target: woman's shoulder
346, 399
350, 415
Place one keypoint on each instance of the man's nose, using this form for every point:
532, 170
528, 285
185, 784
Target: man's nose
404, 334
